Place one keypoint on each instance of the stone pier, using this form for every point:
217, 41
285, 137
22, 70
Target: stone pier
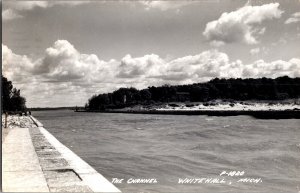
33, 160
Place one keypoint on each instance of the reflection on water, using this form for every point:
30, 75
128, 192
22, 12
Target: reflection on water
169, 147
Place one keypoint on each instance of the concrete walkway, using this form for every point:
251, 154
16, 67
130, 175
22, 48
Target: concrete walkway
21, 171
33, 160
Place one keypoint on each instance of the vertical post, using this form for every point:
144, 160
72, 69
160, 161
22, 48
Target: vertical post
5, 126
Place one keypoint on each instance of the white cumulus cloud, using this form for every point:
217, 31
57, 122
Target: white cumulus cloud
254, 51
10, 14
62, 62
259, 50
142, 66
242, 25
295, 18
165, 5
272, 69
14, 66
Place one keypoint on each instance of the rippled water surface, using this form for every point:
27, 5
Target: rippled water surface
169, 147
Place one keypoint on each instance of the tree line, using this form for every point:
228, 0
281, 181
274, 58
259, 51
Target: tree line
11, 97
226, 89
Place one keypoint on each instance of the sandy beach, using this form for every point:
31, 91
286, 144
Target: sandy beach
232, 106
219, 105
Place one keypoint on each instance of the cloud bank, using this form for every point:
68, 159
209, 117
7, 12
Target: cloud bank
14, 9
64, 73
241, 25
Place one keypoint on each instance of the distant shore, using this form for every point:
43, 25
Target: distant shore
286, 114
265, 110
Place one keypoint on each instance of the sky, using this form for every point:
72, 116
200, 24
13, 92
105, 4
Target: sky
60, 53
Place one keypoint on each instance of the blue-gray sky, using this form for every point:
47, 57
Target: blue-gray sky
70, 50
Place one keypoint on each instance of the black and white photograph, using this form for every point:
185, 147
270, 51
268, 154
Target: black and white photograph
193, 96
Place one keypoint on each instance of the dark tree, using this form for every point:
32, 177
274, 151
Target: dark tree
6, 93
199, 93
145, 95
11, 97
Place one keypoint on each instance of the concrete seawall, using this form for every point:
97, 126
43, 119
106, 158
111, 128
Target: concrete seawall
33, 160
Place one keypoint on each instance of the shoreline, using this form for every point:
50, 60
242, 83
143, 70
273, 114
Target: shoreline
262, 114
257, 109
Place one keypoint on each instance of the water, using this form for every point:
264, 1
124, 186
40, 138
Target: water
169, 147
